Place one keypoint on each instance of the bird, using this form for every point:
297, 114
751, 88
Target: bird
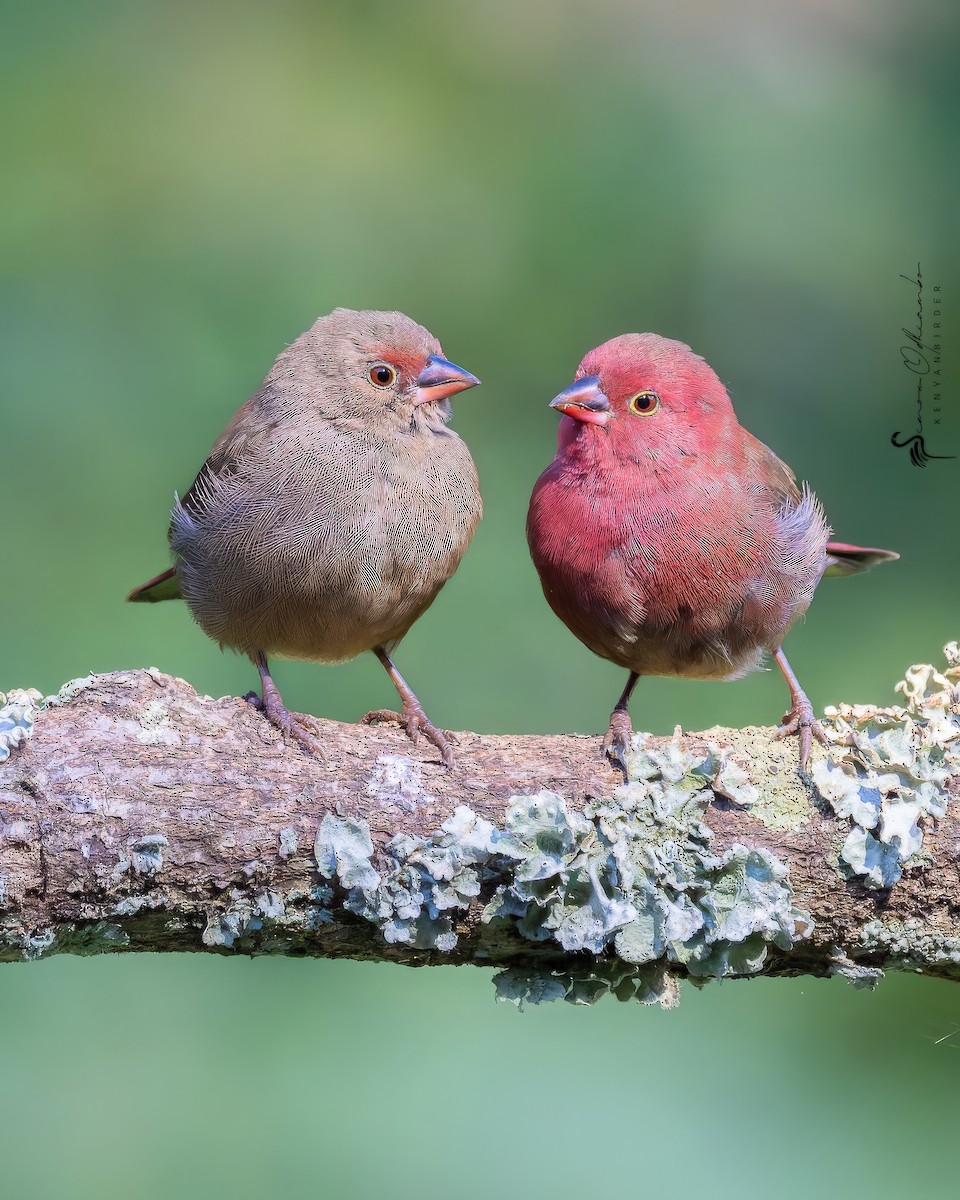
331, 510
670, 540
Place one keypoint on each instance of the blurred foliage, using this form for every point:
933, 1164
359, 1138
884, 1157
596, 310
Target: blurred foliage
186, 187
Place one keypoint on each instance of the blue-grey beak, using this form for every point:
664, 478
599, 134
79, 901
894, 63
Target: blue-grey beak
440, 379
584, 401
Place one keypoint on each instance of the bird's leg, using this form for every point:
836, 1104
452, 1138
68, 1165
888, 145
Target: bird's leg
616, 745
412, 718
301, 728
800, 718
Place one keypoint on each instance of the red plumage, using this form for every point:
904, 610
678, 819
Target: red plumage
669, 539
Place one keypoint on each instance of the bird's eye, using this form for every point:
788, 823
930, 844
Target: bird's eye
645, 404
380, 375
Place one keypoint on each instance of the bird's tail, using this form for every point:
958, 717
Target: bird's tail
161, 587
851, 560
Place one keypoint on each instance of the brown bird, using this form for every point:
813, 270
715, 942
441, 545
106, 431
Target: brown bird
669, 539
332, 509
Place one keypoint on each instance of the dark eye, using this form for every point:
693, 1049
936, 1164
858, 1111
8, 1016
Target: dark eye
381, 375
645, 403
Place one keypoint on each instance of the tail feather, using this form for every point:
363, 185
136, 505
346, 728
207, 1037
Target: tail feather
165, 586
843, 559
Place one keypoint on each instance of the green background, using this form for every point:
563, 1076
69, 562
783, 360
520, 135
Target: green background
185, 188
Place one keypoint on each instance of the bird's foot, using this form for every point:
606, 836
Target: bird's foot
618, 742
299, 727
414, 721
800, 720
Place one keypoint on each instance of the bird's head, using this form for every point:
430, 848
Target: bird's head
644, 396
371, 366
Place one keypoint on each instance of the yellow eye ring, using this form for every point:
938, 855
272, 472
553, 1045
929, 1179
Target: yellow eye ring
644, 404
382, 375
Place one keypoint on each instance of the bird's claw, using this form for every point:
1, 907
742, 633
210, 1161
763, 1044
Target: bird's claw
381, 716
800, 720
414, 722
618, 742
299, 727
303, 732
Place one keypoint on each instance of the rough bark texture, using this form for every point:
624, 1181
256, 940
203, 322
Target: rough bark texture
142, 816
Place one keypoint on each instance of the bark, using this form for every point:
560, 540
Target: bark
142, 816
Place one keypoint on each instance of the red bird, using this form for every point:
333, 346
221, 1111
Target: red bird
670, 540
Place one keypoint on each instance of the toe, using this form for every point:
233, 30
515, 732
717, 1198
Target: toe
306, 722
442, 743
385, 716
307, 740
417, 722
616, 747
806, 738
618, 740
801, 721
435, 736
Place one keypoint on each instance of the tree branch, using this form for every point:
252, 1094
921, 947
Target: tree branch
137, 815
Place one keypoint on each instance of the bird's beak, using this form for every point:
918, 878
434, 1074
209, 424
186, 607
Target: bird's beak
440, 379
584, 401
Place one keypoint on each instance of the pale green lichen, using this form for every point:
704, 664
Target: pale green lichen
19, 708
733, 783
129, 906
635, 874
887, 770
270, 905
155, 725
778, 799
226, 927
631, 876
72, 688
288, 843
912, 944
425, 882
343, 849
18, 711
631, 880
398, 780
587, 985
146, 854
856, 974
36, 944
96, 937
245, 924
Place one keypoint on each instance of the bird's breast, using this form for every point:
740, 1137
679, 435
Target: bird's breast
328, 547
687, 578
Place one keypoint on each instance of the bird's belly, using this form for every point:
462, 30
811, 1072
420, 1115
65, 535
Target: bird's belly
322, 586
660, 608
618, 625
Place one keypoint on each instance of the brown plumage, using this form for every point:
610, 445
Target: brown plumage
332, 509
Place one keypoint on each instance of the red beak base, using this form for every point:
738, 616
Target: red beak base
440, 379
584, 401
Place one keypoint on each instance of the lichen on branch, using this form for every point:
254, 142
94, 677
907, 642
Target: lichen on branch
135, 814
